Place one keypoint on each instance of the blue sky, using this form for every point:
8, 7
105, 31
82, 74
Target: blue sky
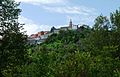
41, 15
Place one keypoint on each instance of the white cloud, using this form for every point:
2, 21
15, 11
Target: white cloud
82, 10
82, 19
31, 27
38, 2
79, 14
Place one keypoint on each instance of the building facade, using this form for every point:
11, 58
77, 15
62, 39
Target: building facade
43, 35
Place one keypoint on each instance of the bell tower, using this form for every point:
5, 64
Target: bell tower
70, 23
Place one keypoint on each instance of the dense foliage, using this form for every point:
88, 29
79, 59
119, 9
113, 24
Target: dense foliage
86, 52
12, 41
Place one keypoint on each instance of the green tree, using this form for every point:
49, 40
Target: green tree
115, 19
100, 36
13, 41
101, 22
115, 22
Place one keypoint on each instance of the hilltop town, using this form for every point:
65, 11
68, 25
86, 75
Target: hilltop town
41, 36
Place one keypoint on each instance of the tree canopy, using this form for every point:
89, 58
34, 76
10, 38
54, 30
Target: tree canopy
13, 41
85, 52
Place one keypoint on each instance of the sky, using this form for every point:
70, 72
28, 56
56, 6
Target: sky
41, 15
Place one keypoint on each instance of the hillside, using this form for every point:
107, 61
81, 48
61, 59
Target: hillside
75, 54
68, 51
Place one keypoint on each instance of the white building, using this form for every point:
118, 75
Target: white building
43, 37
71, 26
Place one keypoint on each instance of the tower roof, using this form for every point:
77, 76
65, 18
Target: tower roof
70, 23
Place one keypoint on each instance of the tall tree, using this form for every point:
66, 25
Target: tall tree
100, 35
115, 19
101, 22
13, 41
115, 22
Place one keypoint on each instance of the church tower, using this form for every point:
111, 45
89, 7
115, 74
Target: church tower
70, 24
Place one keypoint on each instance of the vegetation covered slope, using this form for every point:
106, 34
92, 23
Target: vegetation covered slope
87, 52
90, 52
